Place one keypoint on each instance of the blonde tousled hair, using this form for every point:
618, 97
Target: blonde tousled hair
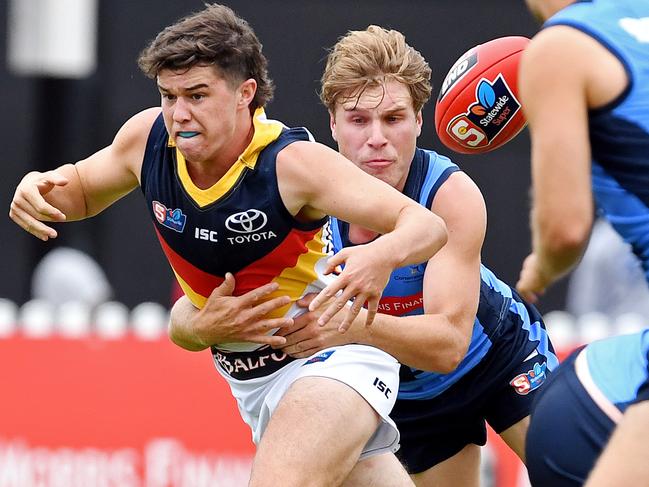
370, 58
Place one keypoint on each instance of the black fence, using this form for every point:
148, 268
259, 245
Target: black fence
45, 122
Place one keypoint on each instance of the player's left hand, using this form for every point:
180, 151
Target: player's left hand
363, 279
29, 208
532, 282
306, 336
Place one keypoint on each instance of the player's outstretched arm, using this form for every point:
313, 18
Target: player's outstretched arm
226, 318
77, 191
315, 180
553, 85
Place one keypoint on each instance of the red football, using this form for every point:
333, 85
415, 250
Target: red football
478, 108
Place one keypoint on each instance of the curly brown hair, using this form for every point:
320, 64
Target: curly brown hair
214, 36
369, 58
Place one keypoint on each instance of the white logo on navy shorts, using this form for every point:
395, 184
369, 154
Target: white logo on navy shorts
250, 365
525, 383
248, 221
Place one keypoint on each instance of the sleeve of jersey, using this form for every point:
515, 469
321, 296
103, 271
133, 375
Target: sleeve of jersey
431, 186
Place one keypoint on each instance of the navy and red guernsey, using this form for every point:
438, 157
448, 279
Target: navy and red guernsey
239, 225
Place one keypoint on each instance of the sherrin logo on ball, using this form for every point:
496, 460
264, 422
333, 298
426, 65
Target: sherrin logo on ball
478, 109
495, 106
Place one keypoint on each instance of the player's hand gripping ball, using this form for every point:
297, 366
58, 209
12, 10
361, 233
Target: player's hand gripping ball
478, 108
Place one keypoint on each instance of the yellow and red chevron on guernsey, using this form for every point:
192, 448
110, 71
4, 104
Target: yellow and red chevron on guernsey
293, 265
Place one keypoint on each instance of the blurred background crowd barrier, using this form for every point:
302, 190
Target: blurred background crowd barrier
99, 397
103, 399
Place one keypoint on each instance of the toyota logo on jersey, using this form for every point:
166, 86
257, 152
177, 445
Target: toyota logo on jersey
247, 221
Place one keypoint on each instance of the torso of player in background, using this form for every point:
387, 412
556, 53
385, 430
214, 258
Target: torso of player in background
239, 225
620, 383
403, 296
619, 132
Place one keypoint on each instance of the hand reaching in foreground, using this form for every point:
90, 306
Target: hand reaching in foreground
306, 336
29, 208
362, 280
532, 283
226, 318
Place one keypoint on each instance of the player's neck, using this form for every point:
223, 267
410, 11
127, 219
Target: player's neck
205, 174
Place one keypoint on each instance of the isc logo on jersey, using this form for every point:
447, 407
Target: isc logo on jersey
205, 234
249, 225
484, 119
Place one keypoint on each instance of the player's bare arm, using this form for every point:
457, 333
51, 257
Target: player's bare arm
552, 88
226, 318
623, 462
438, 339
314, 180
76, 191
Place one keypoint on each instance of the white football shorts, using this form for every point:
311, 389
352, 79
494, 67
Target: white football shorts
371, 372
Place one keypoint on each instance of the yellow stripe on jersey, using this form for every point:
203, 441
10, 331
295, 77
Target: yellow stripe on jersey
197, 300
293, 281
266, 131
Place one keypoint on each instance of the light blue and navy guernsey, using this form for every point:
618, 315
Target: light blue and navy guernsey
619, 132
239, 225
618, 367
585, 399
403, 294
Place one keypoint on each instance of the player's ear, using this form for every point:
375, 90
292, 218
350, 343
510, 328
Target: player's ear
420, 122
246, 92
332, 125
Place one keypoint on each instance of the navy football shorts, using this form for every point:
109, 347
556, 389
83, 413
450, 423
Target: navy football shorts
567, 431
497, 391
